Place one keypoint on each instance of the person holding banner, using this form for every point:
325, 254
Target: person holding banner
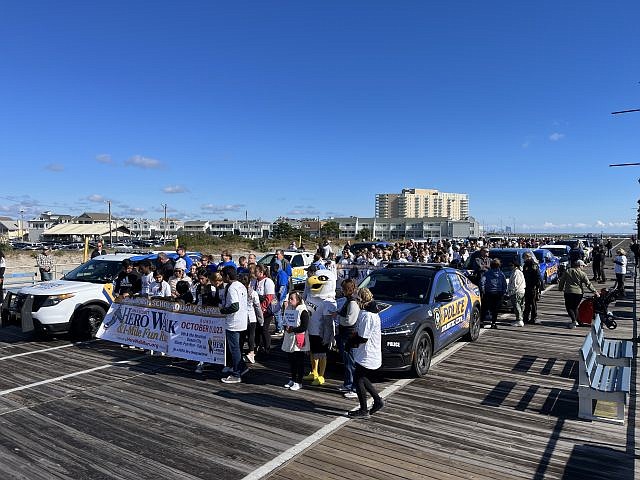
235, 310
295, 340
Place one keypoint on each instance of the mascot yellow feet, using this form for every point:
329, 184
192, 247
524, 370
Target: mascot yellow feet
313, 374
319, 380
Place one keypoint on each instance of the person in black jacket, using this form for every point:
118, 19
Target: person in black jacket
532, 289
128, 282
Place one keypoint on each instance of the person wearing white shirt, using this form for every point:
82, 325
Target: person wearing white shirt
159, 288
146, 278
235, 310
620, 269
515, 291
367, 354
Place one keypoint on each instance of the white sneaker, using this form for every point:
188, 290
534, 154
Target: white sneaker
518, 323
295, 386
251, 357
290, 384
537, 322
199, 367
350, 395
227, 370
231, 379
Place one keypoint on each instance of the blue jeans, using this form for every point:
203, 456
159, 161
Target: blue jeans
45, 276
347, 356
233, 345
280, 318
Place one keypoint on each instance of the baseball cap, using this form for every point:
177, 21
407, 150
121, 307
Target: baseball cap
180, 264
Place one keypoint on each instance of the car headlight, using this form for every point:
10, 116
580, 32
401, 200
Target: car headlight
404, 329
53, 300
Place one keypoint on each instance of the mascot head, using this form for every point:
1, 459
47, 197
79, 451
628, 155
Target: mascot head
322, 284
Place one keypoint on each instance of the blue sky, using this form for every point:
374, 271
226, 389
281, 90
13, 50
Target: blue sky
310, 108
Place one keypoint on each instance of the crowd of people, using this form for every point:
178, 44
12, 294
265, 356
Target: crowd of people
252, 296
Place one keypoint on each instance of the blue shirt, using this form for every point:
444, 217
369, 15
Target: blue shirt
282, 285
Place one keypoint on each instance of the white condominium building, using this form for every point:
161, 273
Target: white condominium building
422, 202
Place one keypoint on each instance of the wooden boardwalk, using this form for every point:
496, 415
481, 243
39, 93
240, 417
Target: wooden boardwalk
504, 407
501, 408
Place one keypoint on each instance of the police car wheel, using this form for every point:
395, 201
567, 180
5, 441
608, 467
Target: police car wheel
474, 326
423, 352
86, 323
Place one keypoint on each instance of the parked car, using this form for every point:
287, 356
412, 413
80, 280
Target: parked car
362, 245
562, 253
424, 308
549, 265
577, 243
76, 303
299, 261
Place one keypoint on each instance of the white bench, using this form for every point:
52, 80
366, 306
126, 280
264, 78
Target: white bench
610, 352
601, 382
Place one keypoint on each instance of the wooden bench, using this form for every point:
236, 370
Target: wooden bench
609, 383
610, 351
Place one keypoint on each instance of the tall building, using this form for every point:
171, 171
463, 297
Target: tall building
422, 202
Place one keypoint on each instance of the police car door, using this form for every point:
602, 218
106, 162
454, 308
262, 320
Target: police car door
449, 307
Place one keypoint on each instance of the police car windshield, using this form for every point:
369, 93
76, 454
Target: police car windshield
94, 271
506, 258
558, 252
407, 285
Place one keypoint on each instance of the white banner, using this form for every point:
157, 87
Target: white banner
182, 331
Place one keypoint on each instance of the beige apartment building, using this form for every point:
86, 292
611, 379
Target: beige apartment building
422, 202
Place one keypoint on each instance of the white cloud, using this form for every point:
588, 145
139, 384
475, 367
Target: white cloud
600, 223
143, 162
96, 198
555, 136
175, 189
580, 225
211, 208
104, 158
54, 167
297, 212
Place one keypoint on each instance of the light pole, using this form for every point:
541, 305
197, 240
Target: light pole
110, 229
21, 229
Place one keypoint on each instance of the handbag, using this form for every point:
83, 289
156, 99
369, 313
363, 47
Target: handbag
301, 339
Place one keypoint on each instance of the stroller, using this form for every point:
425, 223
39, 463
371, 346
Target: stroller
598, 305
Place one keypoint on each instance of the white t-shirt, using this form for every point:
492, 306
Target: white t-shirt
236, 293
252, 301
146, 281
319, 308
160, 289
265, 287
369, 354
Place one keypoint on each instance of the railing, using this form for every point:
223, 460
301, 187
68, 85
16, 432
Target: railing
59, 269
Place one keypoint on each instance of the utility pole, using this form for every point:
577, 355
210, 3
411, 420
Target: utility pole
164, 205
110, 229
635, 272
22, 225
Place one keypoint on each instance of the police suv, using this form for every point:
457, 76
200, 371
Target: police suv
76, 303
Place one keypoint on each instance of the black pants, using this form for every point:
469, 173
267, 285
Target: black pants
296, 364
597, 270
264, 337
530, 305
249, 336
364, 385
492, 302
619, 282
571, 303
